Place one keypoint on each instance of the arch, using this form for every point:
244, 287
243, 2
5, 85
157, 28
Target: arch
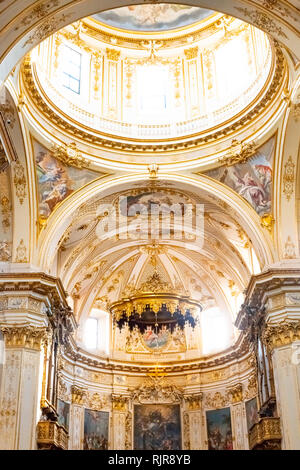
24, 29
60, 219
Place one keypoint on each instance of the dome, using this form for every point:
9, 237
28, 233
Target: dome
129, 84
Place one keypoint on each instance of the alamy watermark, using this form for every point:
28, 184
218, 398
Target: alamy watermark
129, 220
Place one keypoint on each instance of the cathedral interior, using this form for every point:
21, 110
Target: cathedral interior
149, 225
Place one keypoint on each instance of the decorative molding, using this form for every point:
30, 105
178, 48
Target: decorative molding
239, 152
191, 53
19, 181
70, 155
289, 178
38, 12
96, 401
113, 54
262, 21
45, 29
158, 390
215, 400
277, 7
281, 334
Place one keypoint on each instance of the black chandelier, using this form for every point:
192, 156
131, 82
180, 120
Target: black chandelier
156, 320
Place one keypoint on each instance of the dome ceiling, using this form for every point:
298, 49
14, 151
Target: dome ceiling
152, 18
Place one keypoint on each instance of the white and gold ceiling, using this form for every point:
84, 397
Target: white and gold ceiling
175, 104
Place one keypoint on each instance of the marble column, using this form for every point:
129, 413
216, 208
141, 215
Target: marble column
192, 422
21, 387
283, 341
121, 424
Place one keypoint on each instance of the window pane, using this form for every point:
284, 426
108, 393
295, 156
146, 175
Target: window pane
71, 69
91, 333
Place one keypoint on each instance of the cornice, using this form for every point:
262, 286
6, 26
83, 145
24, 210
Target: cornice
238, 352
67, 125
40, 283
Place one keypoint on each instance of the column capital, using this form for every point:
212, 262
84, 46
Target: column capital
24, 336
77, 395
281, 334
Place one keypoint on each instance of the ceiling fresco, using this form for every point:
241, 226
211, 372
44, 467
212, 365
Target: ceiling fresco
162, 17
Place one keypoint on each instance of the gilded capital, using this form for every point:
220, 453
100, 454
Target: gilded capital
119, 402
77, 395
24, 336
236, 393
281, 334
194, 401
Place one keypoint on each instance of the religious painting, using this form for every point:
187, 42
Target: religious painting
56, 181
156, 340
251, 412
159, 17
96, 425
219, 431
130, 205
157, 427
63, 410
253, 179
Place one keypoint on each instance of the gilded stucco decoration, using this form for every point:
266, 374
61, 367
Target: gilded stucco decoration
289, 178
24, 336
238, 153
157, 390
215, 400
263, 21
38, 12
70, 155
46, 29
19, 181
281, 334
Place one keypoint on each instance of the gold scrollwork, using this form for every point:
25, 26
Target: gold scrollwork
289, 178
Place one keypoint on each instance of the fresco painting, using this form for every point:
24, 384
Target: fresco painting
157, 427
156, 340
253, 179
96, 425
56, 181
161, 17
219, 431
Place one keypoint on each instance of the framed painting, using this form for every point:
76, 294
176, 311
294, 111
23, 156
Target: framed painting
251, 412
63, 410
157, 427
96, 426
219, 430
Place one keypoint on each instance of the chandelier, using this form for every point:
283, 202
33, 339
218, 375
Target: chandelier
156, 305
